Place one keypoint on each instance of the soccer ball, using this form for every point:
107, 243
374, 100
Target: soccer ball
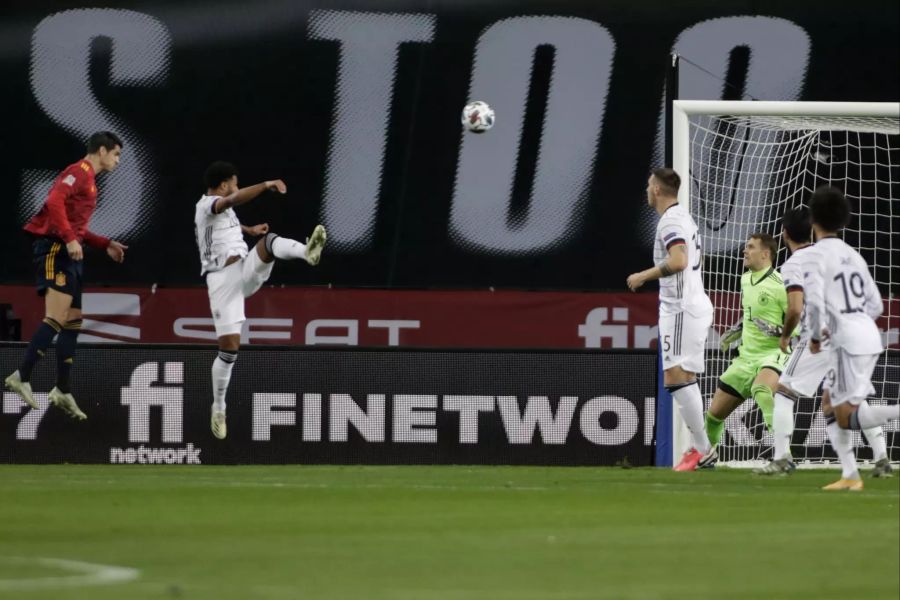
477, 116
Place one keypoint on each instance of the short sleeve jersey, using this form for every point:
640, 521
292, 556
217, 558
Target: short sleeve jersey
218, 235
682, 291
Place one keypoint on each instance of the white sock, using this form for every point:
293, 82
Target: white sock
285, 248
690, 404
875, 416
221, 376
783, 423
875, 437
840, 441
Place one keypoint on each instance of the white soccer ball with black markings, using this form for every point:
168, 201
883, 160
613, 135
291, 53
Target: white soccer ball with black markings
477, 116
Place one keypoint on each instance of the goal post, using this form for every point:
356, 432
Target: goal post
743, 165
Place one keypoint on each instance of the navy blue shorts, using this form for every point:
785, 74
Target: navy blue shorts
54, 269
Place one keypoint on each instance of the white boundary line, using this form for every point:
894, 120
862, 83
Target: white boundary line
87, 574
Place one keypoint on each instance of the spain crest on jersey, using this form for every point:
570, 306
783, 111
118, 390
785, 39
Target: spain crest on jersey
60, 279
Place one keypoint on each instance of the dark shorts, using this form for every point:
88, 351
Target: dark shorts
54, 269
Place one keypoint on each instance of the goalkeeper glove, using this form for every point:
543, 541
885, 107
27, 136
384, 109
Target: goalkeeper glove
768, 328
732, 337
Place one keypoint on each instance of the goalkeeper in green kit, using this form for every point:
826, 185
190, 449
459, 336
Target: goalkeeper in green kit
755, 371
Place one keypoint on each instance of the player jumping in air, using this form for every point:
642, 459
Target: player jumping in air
842, 303
59, 230
685, 311
805, 371
754, 372
233, 272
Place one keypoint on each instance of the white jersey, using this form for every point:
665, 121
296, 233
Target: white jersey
218, 235
792, 271
682, 291
842, 297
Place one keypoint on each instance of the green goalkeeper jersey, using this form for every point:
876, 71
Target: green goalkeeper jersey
763, 297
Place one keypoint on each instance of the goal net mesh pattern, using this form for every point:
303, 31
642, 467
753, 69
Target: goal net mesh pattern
745, 172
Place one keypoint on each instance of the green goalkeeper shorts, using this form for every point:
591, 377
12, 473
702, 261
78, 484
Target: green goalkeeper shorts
738, 378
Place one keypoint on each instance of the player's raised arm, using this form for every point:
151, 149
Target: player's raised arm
244, 195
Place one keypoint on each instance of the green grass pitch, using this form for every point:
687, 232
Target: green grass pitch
444, 533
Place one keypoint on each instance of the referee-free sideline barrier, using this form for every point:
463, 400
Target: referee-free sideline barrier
150, 404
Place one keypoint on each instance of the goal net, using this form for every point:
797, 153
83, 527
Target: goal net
743, 164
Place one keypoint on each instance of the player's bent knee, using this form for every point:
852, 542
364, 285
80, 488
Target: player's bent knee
673, 380
847, 416
759, 387
787, 392
265, 247
676, 376
723, 404
719, 411
230, 343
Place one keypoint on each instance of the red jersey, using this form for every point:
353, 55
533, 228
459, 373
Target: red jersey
69, 207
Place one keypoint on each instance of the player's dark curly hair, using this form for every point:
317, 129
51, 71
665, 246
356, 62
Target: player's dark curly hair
796, 223
829, 208
218, 172
103, 139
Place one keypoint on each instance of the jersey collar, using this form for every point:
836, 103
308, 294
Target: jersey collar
668, 207
769, 272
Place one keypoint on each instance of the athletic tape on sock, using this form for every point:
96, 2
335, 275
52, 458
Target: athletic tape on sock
270, 239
